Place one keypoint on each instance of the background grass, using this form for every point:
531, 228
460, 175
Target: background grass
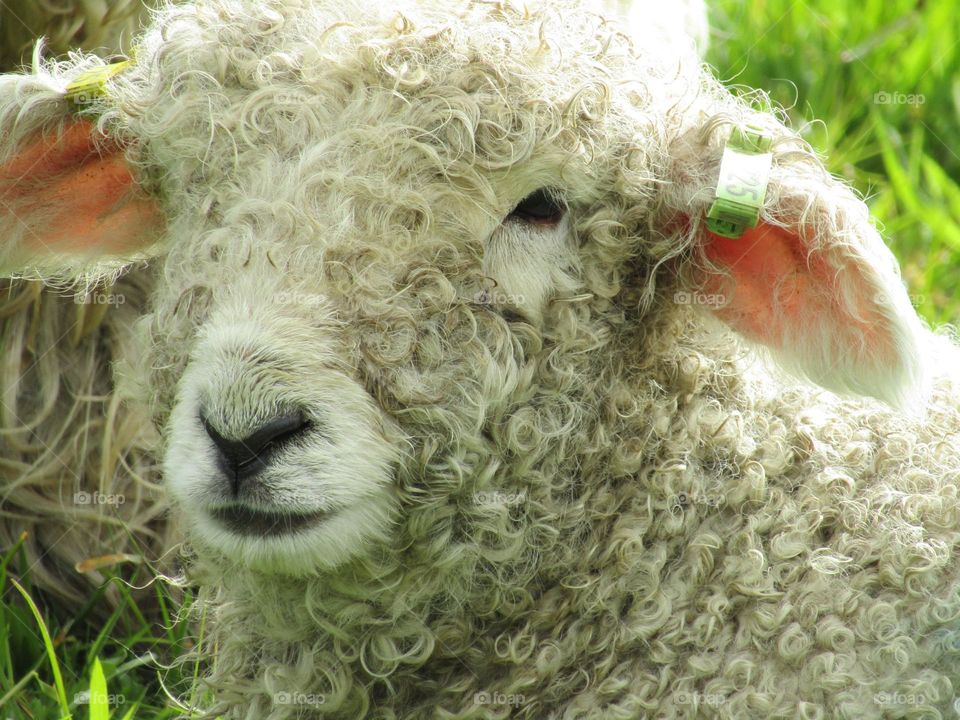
881, 77
54, 668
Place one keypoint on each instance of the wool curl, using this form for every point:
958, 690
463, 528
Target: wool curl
608, 506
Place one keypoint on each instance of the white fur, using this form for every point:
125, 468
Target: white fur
244, 367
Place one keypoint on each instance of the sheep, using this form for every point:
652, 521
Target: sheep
465, 410
79, 473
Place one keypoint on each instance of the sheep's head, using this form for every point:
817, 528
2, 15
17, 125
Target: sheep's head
405, 259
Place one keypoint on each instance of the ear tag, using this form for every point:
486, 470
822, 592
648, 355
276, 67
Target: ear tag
742, 185
92, 83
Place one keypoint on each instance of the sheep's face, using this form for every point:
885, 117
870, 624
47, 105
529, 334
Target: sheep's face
388, 253
306, 395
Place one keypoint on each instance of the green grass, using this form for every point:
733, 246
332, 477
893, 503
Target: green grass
54, 669
827, 61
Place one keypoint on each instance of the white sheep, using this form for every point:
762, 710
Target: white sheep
467, 412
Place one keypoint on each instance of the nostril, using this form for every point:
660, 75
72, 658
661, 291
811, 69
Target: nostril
245, 455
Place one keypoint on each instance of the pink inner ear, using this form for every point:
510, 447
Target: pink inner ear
781, 293
73, 197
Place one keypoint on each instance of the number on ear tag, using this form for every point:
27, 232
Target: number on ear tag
742, 185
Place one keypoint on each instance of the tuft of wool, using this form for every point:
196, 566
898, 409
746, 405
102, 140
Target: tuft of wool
551, 463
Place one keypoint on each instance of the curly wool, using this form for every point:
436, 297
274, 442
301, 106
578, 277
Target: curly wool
614, 508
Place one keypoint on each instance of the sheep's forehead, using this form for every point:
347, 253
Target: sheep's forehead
441, 100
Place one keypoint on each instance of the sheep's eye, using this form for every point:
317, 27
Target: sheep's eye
540, 207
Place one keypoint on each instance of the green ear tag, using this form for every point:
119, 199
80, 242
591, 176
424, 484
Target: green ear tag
744, 174
92, 83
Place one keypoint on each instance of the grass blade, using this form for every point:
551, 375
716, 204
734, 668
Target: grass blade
99, 700
51, 653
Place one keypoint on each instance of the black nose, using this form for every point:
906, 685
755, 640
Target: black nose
246, 456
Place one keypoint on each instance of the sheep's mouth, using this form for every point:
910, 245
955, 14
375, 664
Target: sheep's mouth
242, 520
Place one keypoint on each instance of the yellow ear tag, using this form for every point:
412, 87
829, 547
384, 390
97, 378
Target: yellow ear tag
92, 84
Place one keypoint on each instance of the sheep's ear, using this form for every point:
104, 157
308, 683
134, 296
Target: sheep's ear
68, 200
814, 283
